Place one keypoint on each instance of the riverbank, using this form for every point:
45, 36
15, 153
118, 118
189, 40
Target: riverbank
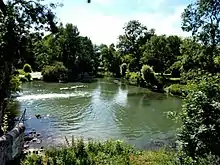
108, 152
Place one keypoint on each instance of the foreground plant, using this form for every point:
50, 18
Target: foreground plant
100, 153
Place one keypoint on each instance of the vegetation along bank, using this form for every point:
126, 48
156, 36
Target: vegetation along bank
183, 66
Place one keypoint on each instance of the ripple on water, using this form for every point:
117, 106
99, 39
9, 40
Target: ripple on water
52, 96
100, 111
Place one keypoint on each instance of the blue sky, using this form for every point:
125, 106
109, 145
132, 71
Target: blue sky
103, 20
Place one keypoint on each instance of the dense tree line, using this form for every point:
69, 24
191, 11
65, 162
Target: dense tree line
187, 66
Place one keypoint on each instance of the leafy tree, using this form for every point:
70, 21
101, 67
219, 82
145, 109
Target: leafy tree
85, 55
173, 44
16, 20
202, 18
136, 35
156, 54
111, 59
69, 43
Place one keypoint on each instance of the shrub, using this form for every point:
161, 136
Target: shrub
133, 78
150, 78
27, 68
108, 152
21, 72
55, 72
28, 76
200, 130
15, 84
23, 79
178, 89
176, 69
148, 75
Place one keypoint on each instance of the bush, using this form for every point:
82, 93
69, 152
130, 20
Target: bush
27, 68
134, 78
200, 130
15, 84
55, 72
150, 78
24, 77
28, 76
21, 72
178, 89
176, 69
97, 153
109, 152
208, 159
148, 75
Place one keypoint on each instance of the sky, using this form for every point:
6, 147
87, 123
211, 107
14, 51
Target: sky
103, 20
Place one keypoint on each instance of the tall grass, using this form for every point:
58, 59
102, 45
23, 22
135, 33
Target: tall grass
98, 153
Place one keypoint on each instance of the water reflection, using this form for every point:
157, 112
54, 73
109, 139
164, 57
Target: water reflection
100, 110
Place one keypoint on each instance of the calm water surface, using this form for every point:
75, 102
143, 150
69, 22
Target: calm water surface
100, 110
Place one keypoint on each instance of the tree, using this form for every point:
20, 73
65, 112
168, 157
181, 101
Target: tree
136, 35
202, 18
85, 55
16, 20
173, 44
69, 44
156, 54
111, 59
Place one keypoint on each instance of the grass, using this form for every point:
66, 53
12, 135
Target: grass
160, 157
99, 153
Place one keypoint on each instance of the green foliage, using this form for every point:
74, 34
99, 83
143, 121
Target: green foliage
176, 69
33, 160
134, 78
200, 125
4, 126
161, 52
27, 68
178, 89
150, 78
131, 42
109, 152
183, 159
202, 20
55, 72
147, 73
217, 61
24, 76
159, 157
101, 153
15, 84
23, 79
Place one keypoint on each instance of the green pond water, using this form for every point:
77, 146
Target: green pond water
100, 110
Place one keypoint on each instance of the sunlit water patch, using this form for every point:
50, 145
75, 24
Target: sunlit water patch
100, 110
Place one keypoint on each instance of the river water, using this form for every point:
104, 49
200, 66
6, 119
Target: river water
100, 110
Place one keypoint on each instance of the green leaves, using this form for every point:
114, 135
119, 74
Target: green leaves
202, 19
200, 127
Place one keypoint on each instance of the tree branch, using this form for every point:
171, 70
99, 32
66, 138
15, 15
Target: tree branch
3, 7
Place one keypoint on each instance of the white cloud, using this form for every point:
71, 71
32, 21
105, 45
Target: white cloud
102, 1
153, 3
106, 28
